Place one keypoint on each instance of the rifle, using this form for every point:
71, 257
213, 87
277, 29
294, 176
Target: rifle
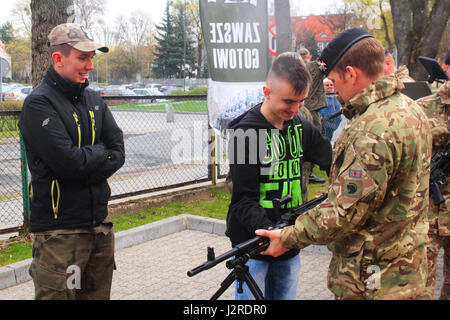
251, 248
440, 168
434, 69
333, 115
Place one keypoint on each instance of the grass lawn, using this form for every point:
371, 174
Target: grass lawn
193, 106
214, 207
8, 128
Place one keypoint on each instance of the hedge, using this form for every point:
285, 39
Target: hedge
11, 105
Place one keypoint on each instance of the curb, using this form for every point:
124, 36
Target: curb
17, 273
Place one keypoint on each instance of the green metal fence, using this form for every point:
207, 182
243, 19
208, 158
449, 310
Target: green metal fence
14, 199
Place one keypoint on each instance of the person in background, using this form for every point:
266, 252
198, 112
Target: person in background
437, 108
401, 72
330, 125
314, 102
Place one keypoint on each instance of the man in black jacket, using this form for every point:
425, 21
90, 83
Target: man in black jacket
73, 145
268, 146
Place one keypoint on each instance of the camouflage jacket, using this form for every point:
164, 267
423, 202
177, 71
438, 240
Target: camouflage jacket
402, 73
373, 220
316, 99
305, 113
437, 108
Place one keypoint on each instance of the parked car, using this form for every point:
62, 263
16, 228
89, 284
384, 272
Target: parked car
118, 92
135, 86
2, 94
147, 92
114, 86
95, 87
18, 94
167, 90
154, 86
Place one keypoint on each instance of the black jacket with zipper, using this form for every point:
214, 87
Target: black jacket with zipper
268, 168
73, 145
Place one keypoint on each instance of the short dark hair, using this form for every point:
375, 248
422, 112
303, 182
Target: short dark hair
63, 48
289, 66
367, 54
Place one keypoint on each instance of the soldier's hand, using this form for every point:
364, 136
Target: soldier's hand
275, 248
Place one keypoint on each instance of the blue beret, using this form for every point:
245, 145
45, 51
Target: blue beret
334, 51
447, 58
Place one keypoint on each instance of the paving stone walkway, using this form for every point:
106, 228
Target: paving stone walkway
156, 270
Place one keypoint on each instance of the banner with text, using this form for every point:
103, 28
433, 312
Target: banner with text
236, 38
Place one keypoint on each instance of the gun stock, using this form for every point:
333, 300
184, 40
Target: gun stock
440, 167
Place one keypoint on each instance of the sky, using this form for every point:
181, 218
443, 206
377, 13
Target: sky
155, 8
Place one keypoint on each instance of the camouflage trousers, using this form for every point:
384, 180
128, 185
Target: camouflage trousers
306, 171
437, 242
75, 266
317, 120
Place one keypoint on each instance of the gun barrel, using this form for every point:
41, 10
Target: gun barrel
437, 194
334, 115
242, 247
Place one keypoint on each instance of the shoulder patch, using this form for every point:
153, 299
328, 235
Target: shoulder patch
354, 173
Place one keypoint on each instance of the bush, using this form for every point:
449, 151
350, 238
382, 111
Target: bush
195, 91
199, 90
11, 105
179, 93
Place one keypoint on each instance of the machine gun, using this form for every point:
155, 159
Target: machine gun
435, 71
333, 115
440, 168
251, 248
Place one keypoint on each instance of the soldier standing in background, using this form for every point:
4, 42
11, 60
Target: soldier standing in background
401, 72
374, 219
437, 108
315, 101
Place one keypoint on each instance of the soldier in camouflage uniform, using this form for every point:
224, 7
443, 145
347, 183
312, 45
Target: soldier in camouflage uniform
401, 72
73, 146
437, 108
317, 98
315, 101
306, 166
374, 219
307, 114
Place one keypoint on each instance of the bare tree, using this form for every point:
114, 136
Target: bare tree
139, 27
340, 18
21, 16
418, 29
121, 29
373, 13
89, 12
45, 15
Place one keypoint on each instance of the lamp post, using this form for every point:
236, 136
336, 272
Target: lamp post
184, 49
